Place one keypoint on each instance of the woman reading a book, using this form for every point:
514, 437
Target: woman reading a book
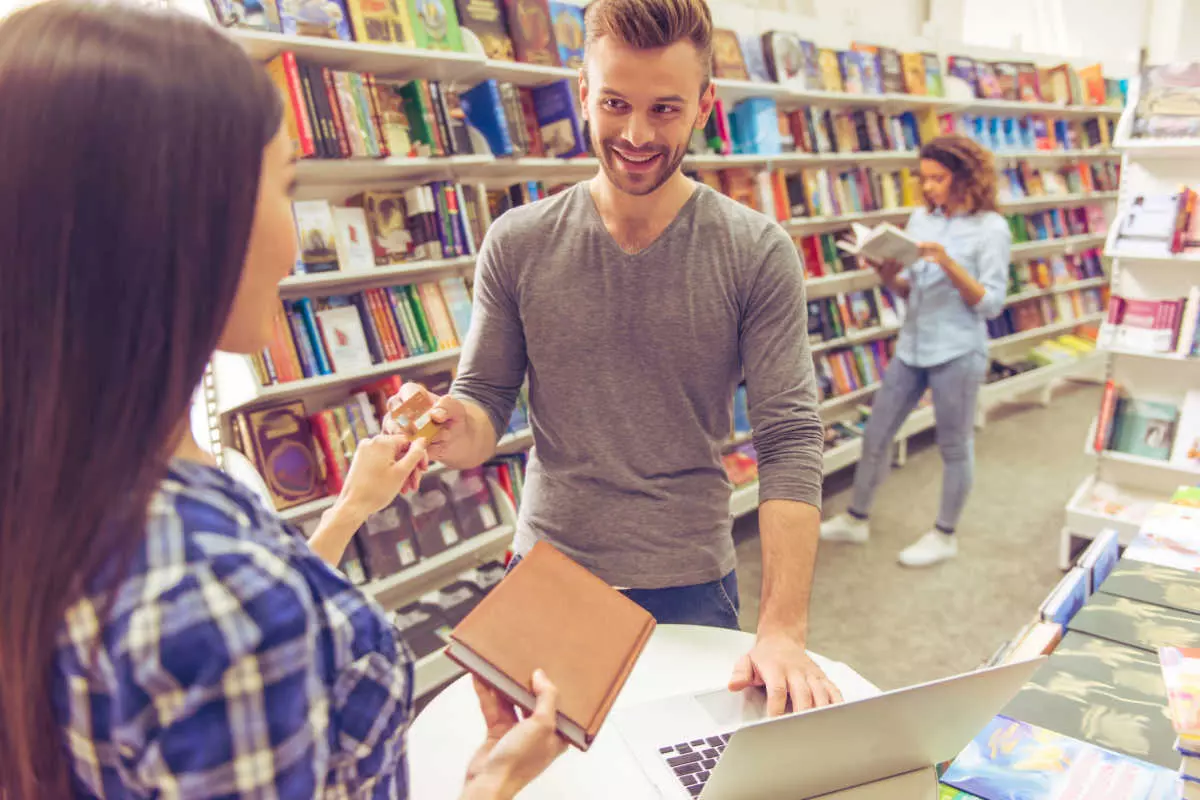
162, 632
956, 285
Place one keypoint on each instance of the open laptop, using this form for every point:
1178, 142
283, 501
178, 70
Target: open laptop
719, 745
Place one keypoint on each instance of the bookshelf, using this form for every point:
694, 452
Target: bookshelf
1123, 484
237, 388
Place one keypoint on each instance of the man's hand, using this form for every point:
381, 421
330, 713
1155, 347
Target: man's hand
783, 667
449, 412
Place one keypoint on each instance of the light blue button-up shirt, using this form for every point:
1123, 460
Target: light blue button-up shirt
938, 324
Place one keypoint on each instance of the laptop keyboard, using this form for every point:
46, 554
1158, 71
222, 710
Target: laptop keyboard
693, 761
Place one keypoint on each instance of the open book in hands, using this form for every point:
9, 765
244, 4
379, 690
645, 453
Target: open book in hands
882, 243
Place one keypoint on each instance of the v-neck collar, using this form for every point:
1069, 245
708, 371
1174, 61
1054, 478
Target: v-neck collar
598, 220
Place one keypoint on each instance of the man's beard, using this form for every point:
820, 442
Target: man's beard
639, 184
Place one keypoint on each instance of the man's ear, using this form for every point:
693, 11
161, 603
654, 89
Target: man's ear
708, 98
583, 90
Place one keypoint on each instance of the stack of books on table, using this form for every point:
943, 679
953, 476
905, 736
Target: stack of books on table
1181, 674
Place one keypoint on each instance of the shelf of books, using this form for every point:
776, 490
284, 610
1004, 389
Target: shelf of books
1146, 434
412, 140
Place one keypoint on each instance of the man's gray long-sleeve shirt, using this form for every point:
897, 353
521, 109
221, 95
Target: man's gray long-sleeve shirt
632, 362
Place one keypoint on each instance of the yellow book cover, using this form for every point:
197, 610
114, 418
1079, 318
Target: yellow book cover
914, 73
831, 70
381, 21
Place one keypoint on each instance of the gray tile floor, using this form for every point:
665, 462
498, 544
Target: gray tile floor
898, 626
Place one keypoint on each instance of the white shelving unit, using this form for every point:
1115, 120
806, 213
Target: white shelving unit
1147, 167
238, 389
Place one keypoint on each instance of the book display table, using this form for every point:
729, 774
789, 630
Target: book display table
678, 659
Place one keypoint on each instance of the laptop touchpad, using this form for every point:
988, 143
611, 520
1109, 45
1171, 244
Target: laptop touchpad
731, 710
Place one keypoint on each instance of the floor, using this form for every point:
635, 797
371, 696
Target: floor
898, 626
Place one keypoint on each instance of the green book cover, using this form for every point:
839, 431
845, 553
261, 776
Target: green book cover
1171, 588
950, 793
414, 301
420, 118
830, 254
1104, 693
1137, 624
1145, 428
435, 24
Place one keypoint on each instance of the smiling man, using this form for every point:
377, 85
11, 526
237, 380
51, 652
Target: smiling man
635, 302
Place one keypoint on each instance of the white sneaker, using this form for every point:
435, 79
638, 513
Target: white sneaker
930, 549
845, 528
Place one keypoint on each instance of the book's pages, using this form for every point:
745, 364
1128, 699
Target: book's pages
552, 614
884, 242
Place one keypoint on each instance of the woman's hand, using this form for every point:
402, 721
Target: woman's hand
514, 752
383, 467
934, 252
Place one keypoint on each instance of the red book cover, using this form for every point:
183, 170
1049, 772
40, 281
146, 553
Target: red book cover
296, 94
326, 435
1104, 421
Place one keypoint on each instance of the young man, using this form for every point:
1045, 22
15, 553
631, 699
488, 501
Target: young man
634, 302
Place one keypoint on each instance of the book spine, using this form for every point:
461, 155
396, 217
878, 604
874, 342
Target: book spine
1105, 419
372, 92
296, 94
335, 109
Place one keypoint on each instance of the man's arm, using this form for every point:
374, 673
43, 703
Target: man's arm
492, 368
789, 439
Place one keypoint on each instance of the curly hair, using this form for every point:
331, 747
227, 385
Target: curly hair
972, 167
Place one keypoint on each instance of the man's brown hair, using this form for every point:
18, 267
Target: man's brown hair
653, 24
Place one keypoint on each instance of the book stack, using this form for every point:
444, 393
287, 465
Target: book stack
822, 257
1181, 675
1166, 106
1068, 348
1154, 326
1149, 428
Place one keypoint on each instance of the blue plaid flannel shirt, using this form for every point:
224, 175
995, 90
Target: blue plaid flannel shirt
233, 663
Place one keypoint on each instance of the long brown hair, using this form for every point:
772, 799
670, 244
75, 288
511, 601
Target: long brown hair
130, 148
973, 169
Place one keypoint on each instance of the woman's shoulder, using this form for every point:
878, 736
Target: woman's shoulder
992, 222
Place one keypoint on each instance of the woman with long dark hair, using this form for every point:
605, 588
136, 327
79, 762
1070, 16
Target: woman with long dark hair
162, 633
957, 286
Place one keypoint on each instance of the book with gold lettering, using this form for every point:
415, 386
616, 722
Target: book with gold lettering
281, 443
532, 32
550, 613
485, 19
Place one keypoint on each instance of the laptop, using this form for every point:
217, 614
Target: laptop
719, 745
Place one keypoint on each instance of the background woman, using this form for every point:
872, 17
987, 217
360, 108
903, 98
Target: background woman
957, 286
162, 632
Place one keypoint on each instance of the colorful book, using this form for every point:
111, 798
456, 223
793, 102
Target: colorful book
532, 32
435, 25
1011, 760
569, 32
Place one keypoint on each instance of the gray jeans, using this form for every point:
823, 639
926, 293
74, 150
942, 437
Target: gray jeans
955, 386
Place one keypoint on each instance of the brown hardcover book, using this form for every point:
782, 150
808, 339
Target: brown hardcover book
531, 32
552, 614
485, 19
727, 56
282, 442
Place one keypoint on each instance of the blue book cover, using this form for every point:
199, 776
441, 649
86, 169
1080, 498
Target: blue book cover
741, 411
305, 306
567, 21
554, 107
1067, 598
1011, 760
756, 124
325, 19
484, 108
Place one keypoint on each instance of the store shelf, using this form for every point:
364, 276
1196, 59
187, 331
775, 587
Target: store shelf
1033, 294
1015, 387
856, 338
378, 170
1085, 522
1153, 149
1044, 331
522, 74
514, 443
1172, 358
844, 455
432, 671
1063, 244
1051, 201
743, 500
804, 225
1178, 260
394, 275
1055, 155
852, 281
382, 60
847, 399
294, 389
430, 574
1188, 475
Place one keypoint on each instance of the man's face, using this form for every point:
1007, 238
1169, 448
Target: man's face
642, 106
